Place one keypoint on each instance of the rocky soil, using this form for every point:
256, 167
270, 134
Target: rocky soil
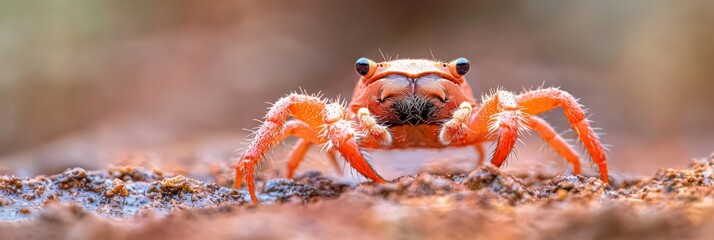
131, 202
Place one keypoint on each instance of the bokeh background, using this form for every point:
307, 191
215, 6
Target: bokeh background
92, 83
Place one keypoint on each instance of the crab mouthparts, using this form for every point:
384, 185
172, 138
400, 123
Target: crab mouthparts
414, 110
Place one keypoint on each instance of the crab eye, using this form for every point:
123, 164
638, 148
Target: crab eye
460, 66
363, 66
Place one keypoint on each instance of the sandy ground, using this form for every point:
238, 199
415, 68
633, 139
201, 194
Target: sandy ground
437, 201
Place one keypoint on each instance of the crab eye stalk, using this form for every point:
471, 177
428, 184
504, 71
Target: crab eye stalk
362, 66
365, 67
459, 67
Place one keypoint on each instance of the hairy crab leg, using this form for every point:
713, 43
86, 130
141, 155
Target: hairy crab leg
371, 129
542, 100
499, 115
342, 137
456, 127
306, 109
310, 112
295, 128
555, 141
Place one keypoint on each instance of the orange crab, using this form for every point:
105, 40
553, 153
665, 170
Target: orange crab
415, 103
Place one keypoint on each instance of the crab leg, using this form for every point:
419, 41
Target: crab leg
297, 154
371, 129
311, 114
555, 141
303, 108
341, 136
501, 116
481, 153
456, 127
292, 128
542, 100
335, 163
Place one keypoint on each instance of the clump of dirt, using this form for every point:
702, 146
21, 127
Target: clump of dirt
490, 181
304, 188
574, 187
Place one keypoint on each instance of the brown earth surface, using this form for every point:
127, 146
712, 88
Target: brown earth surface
132, 202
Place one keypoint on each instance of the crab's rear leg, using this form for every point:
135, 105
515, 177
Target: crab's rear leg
481, 153
297, 155
333, 160
555, 141
307, 136
542, 100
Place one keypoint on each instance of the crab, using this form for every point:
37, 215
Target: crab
415, 103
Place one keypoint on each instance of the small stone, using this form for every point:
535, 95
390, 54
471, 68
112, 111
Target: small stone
561, 194
25, 211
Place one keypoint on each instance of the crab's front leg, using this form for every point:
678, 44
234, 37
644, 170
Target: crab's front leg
310, 113
456, 128
306, 111
373, 131
342, 136
500, 117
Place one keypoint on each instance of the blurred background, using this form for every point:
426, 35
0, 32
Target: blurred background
93, 83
